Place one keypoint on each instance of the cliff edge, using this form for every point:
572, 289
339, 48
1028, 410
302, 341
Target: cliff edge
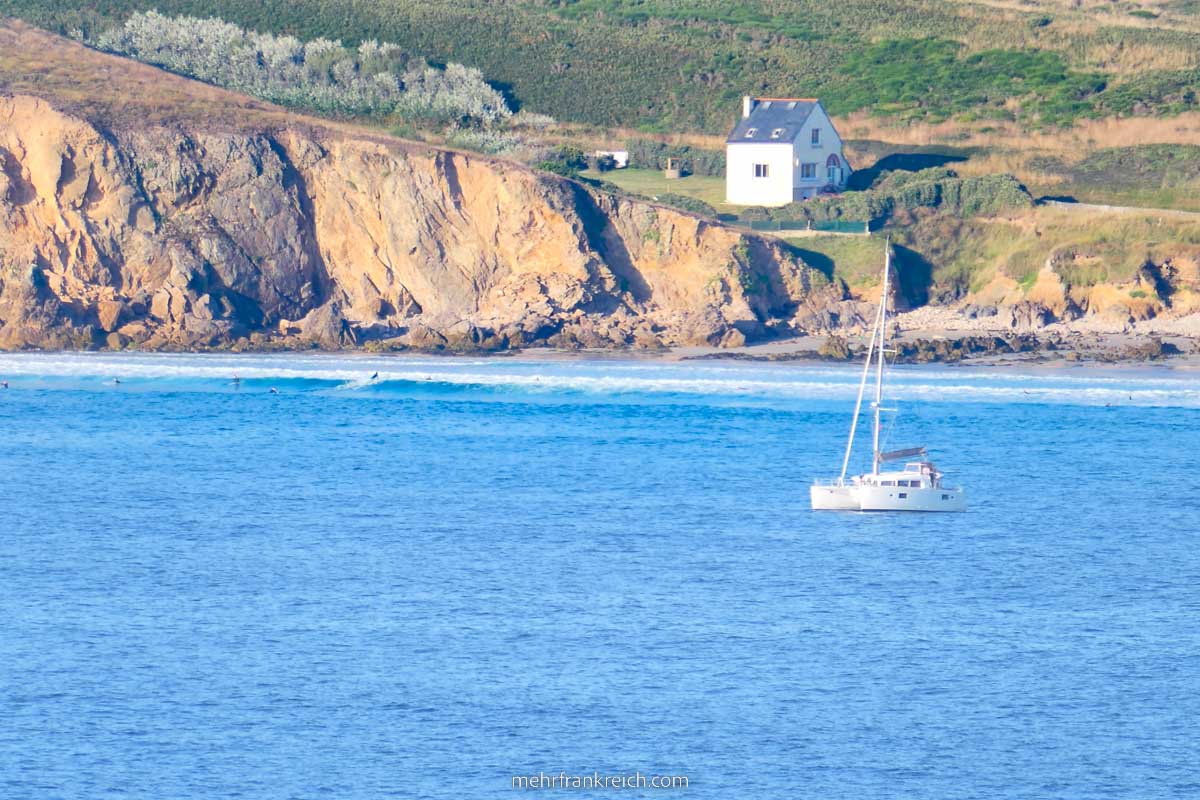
186, 233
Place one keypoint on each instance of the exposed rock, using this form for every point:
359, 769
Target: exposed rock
733, 338
834, 348
325, 326
422, 337
109, 313
1024, 316
204, 236
973, 311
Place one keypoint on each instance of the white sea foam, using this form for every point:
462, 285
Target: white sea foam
611, 377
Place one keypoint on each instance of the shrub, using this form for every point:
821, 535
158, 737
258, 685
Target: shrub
688, 204
564, 160
320, 75
604, 163
756, 214
652, 154
486, 141
903, 192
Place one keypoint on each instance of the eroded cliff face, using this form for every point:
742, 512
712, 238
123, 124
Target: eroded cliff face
179, 237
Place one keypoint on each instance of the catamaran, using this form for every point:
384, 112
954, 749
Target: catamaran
917, 487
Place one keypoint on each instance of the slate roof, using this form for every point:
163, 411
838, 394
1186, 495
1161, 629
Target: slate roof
770, 114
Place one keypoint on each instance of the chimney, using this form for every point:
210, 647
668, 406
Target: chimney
748, 105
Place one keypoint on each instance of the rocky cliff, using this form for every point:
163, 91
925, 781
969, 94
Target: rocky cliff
178, 235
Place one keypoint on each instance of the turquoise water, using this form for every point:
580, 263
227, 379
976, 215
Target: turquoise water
473, 569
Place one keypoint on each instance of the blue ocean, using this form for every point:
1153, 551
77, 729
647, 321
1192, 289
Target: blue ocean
463, 571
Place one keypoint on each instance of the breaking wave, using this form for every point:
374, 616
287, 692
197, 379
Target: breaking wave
596, 378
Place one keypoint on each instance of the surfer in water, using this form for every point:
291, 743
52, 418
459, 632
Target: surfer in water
374, 376
3, 384
236, 380
274, 390
116, 381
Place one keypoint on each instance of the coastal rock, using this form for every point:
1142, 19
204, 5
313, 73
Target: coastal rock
1024, 316
205, 233
327, 327
109, 313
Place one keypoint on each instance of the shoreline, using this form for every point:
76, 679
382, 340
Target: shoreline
794, 352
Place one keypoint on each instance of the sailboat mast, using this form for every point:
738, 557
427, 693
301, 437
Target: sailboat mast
862, 388
883, 298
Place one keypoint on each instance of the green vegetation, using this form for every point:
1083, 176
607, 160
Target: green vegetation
687, 204
1147, 176
855, 259
1127, 175
653, 154
932, 79
898, 195
670, 65
651, 183
1086, 249
564, 160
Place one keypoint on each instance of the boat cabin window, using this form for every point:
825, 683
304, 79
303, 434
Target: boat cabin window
887, 483
904, 495
945, 497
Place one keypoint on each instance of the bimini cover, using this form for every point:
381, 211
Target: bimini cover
908, 452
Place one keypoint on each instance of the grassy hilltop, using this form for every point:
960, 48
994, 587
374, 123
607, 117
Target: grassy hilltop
680, 65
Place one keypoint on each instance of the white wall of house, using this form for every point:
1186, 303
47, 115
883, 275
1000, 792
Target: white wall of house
745, 185
817, 156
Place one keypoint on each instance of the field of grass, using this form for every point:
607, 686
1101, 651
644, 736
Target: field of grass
681, 65
651, 183
858, 260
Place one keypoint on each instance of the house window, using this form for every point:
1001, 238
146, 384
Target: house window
762, 171
808, 170
816, 135
750, 134
775, 134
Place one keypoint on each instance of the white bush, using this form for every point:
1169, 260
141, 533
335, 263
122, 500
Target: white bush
376, 78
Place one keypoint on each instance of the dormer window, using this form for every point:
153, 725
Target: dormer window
775, 134
751, 133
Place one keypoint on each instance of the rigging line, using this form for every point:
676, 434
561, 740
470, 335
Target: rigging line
862, 385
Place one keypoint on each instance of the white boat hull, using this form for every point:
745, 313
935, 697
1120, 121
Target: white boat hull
835, 498
864, 497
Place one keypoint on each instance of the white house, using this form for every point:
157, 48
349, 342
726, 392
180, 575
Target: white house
783, 149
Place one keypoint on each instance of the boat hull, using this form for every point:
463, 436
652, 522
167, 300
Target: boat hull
863, 497
892, 498
834, 498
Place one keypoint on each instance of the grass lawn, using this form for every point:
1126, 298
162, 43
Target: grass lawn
650, 182
857, 260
